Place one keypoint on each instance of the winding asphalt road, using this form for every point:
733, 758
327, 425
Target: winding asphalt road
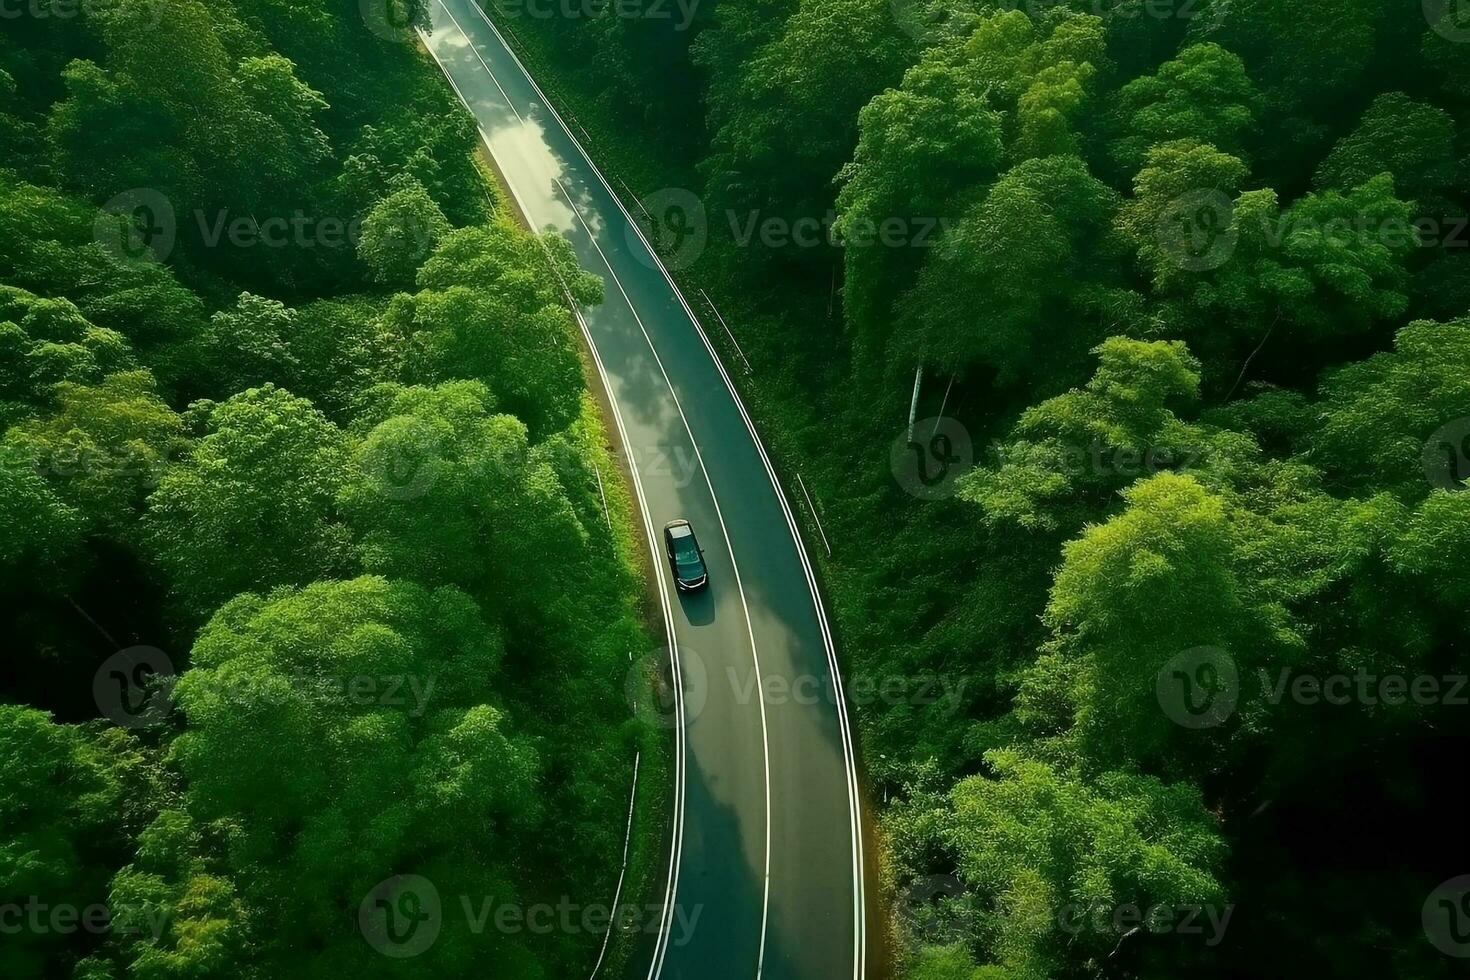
766, 850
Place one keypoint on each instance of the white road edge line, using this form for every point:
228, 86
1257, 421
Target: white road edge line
623, 873
631, 194
728, 332
816, 518
854, 814
860, 923
680, 749
657, 967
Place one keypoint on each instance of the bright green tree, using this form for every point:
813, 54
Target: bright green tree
1204, 93
381, 695
40, 533
1069, 455
399, 233
448, 492
105, 447
1397, 419
525, 356
254, 504
1045, 849
63, 809
248, 345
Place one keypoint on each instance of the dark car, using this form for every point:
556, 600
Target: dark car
686, 557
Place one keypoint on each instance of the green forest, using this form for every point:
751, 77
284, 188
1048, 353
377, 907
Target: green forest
1197, 300
310, 576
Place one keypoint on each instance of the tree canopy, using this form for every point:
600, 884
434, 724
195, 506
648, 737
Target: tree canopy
314, 595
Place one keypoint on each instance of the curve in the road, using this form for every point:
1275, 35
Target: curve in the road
526, 158
671, 897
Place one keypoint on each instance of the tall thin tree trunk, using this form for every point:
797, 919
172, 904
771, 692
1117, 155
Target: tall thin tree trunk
914, 402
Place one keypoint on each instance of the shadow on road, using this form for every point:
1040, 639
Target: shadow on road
699, 607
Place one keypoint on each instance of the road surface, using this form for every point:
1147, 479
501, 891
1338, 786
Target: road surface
766, 847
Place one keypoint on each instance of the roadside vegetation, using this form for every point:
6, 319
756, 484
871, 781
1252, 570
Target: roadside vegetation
1194, 296
318, 612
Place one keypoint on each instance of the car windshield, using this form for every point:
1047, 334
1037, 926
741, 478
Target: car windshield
685, 548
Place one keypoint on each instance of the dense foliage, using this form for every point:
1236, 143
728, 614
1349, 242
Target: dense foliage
1200, 298
309, 580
